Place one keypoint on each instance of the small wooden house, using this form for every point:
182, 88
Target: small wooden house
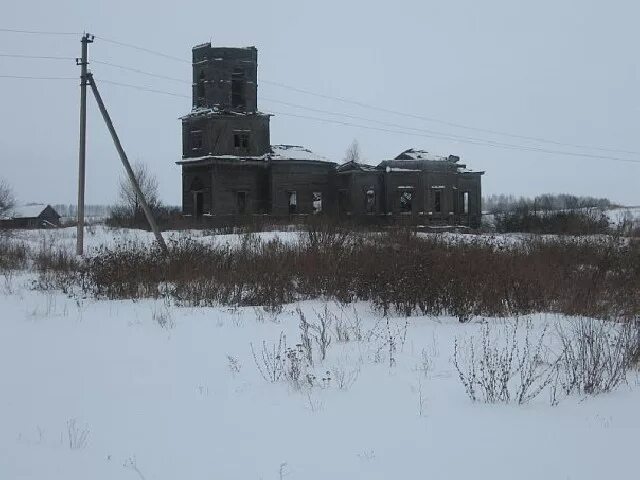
31, 216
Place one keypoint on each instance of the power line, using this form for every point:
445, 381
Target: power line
27, 77
444, 122
37, 32
143, 49
394, 112
487, 144
438, 134
142, 72
37, 57
478, 142
423, 132
143, 88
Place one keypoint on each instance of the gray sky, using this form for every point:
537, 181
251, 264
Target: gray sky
564, 70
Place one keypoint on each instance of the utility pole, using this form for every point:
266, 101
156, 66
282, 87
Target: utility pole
125, 162
82, 61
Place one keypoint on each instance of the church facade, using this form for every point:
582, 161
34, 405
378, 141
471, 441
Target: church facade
229, 166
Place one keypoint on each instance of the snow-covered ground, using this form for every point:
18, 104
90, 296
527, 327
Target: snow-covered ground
100, 235
187, 401
146, 390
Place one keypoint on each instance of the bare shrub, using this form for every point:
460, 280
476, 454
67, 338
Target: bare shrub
305, 336
131, 464
77, 437
163, 317
595, 356
296, 368
234, 365
271, 363
345, 378
426, 362
13, 254
322, 335
496, 368
7, 200
343, 332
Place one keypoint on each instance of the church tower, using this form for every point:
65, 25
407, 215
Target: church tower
225, 120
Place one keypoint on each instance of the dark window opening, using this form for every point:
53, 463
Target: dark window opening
317, 202
241, 202
241, 140
406, 200
293, 201
196, 140
199, 204
437, 201
370, 201
343, 201
201, 90
237, 89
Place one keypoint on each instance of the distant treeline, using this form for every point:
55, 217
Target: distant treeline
546, 202
70, 210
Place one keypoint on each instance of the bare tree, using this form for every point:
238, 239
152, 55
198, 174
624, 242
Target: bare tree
7, 200
128, 201
353, 152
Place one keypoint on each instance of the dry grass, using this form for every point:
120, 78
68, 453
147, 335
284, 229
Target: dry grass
397, 272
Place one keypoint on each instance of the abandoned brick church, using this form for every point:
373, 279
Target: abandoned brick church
229, 166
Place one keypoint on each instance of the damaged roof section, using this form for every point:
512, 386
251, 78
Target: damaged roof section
276, 153
416, 154
294, 152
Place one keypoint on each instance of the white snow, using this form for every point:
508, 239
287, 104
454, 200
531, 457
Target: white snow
417, 154
294, 152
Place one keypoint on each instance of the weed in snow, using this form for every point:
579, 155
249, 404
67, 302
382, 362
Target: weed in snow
77, 437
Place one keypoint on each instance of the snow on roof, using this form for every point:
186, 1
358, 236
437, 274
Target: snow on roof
277, 153
206, 112
396, 169
352, 165
294, 152
415, 154
27, 211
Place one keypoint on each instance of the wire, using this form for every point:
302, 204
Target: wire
342, 99
146, 89
435, 133
25, 77
136, 70
487, 144
37, 32
451, 124
142, 49
38, 57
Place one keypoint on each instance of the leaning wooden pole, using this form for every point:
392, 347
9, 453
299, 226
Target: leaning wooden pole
125, 162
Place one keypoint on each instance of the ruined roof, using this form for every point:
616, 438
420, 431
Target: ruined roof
294, 152
276, 153
356, 166
416, 154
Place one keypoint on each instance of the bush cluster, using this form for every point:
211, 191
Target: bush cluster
398, 272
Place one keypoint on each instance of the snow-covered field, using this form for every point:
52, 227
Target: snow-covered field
146, 390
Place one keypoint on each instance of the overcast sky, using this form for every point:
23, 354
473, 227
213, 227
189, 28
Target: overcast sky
567, 71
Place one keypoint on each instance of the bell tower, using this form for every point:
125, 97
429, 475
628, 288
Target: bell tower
225, 120
225, 78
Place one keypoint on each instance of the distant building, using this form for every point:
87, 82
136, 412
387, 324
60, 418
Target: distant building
229, 166
31, 216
